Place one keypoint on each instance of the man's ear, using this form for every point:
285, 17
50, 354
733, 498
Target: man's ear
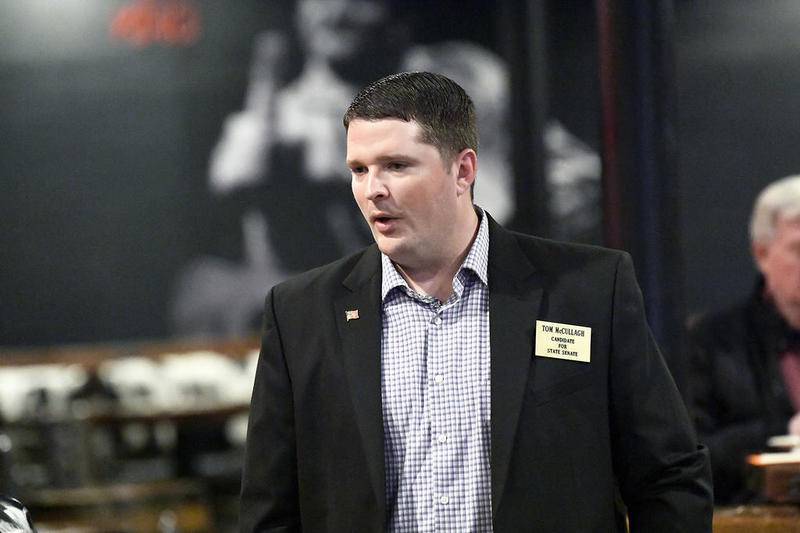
466, 165
760, 252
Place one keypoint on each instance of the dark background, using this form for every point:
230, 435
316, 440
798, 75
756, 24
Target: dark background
103, 164
104, 146
738, 81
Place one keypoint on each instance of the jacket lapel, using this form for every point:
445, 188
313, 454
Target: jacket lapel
515, 294
359, 323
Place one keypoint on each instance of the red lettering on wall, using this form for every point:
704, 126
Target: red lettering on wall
146, 22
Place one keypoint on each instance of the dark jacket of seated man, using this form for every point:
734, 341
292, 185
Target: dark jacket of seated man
737, 396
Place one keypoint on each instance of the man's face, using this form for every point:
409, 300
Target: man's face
406, 194
339, 28
779, 262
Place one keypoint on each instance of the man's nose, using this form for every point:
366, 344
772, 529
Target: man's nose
376, 187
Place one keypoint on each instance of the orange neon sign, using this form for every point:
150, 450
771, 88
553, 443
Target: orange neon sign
146, 22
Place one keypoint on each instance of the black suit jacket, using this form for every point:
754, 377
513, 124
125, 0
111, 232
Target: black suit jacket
737, 396
568, 438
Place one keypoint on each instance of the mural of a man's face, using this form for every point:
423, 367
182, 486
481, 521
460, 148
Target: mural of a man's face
361, 40
339, 29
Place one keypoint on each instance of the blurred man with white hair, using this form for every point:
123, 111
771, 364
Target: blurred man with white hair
745, 368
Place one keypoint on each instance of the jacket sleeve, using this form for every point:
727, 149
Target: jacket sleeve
663, 473
269, 492
729, 440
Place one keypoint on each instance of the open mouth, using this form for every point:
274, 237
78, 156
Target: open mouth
384, 223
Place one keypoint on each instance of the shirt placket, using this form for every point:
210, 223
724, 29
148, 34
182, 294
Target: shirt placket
444, 421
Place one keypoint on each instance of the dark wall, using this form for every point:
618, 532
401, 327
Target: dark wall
104, 158
102, 163
738, 83
105, 146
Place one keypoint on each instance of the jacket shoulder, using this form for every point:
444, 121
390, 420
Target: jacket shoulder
557, 256
326, 279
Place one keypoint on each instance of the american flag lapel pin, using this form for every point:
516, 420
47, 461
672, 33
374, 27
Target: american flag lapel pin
351, 314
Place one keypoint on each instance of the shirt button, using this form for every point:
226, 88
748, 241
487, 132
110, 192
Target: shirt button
444, 500
439, 379
437, 320
442, 438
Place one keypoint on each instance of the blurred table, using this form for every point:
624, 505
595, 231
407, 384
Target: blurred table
757, 519
99, 465
174, 505
91, 355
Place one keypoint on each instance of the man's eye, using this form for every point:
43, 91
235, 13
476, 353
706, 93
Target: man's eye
397, 166
358, 170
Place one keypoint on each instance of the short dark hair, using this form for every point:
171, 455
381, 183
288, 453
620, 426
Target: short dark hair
443, 110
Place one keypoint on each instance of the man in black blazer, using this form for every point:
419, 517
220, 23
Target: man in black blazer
572, 420
744, 378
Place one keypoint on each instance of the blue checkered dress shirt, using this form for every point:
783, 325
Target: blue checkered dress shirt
435, 383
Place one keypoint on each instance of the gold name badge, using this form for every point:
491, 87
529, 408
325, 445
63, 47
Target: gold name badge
563, 341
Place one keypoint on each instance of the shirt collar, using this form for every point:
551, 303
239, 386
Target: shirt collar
477, 260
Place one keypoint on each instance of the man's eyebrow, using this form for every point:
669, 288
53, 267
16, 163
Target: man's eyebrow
384, 159
396, 157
